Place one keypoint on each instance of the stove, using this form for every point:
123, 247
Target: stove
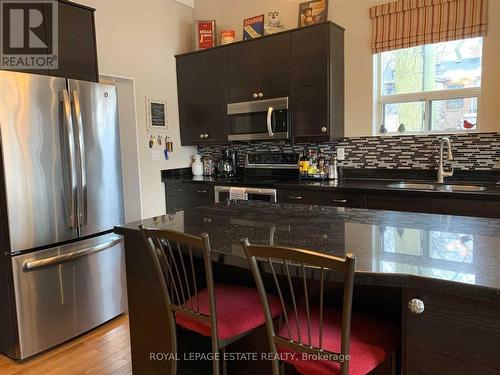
258, 181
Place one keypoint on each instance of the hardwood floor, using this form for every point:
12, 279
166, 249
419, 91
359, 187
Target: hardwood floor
103, 351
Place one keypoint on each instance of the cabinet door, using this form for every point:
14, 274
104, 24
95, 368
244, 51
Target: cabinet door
451, 335
310, 82
202, 80
260, 67
275, 66
322, 197
77, 45
244, 71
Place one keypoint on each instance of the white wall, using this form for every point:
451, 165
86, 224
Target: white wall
354, 16
139, 39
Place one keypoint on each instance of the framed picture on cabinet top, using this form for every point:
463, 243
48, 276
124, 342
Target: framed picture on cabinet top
313, 12
253, 27
204, 34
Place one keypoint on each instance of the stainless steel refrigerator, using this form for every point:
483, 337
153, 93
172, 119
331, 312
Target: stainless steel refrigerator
62, 269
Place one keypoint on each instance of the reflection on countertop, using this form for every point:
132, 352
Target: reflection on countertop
450, 248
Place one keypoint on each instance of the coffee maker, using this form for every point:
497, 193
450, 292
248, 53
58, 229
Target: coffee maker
228, 163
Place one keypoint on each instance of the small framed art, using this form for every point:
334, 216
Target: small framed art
313, 12
253, 27
204, 34
157, 114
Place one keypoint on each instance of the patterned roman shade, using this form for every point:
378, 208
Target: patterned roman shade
408, 23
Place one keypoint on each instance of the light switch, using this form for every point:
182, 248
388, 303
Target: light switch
340, 153
157, 154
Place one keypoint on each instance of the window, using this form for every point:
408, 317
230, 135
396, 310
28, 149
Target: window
429, 88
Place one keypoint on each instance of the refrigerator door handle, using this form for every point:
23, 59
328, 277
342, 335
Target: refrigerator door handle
30, 266
70, 138
82, 194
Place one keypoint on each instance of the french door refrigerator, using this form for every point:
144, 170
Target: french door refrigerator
61, 268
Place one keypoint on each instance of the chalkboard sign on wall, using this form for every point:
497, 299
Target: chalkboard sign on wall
157, 115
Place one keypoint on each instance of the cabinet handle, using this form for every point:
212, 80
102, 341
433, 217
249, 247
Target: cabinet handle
202, 136
323, 129
261, 95
340, 200
296, 198
416, 306
206, 135
255, 95
178, 190
201, 191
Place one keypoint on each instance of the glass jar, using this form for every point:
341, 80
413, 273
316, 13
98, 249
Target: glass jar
208, 166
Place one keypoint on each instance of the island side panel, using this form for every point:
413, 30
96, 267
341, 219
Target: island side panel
148, 319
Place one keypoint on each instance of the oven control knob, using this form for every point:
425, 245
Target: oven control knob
255, 95
261, 95
323, 129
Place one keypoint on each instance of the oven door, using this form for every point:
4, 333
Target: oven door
259, 120
223, 194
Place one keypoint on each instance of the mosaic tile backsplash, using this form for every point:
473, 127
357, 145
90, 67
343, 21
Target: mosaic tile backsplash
473, 151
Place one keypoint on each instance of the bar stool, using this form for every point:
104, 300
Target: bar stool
225, 313
315, 339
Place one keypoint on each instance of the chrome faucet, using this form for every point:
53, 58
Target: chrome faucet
441, 172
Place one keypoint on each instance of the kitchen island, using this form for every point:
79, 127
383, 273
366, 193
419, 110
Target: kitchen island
449, 263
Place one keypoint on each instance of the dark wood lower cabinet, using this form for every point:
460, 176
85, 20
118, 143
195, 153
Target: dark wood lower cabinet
453, 335
410, 201
433, 204
181, 195
322, 197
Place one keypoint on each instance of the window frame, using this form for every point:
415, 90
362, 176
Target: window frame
423, 96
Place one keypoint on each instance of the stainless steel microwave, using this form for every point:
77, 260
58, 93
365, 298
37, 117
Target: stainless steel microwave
259, 120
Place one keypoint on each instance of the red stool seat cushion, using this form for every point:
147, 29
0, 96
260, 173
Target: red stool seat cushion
372, 340
239, 310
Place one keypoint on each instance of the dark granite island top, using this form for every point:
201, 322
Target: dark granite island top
451, 263
460, 255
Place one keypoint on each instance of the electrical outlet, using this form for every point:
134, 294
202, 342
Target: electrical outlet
340, 153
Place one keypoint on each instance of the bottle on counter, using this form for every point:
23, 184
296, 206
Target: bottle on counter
304, 163
333, 173
313, 164
321, 162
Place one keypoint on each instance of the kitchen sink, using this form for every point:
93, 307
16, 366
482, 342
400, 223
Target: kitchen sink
410, 185
439, 187
471, 188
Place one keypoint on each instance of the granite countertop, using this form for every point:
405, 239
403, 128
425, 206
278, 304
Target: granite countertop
457, 255
359, 184
381, 185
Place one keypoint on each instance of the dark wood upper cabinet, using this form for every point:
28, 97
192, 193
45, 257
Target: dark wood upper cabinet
317, 98
260, 66
306, 65
203, 96
77, 43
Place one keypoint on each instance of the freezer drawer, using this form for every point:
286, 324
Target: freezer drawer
65, 291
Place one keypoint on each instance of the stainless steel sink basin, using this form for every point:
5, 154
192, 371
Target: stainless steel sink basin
471, 188
428, 186
411, 185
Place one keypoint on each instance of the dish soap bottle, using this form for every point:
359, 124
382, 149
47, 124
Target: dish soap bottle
197, 166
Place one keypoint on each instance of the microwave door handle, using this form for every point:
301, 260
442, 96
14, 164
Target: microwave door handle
83, 169
72, 189
270, 121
